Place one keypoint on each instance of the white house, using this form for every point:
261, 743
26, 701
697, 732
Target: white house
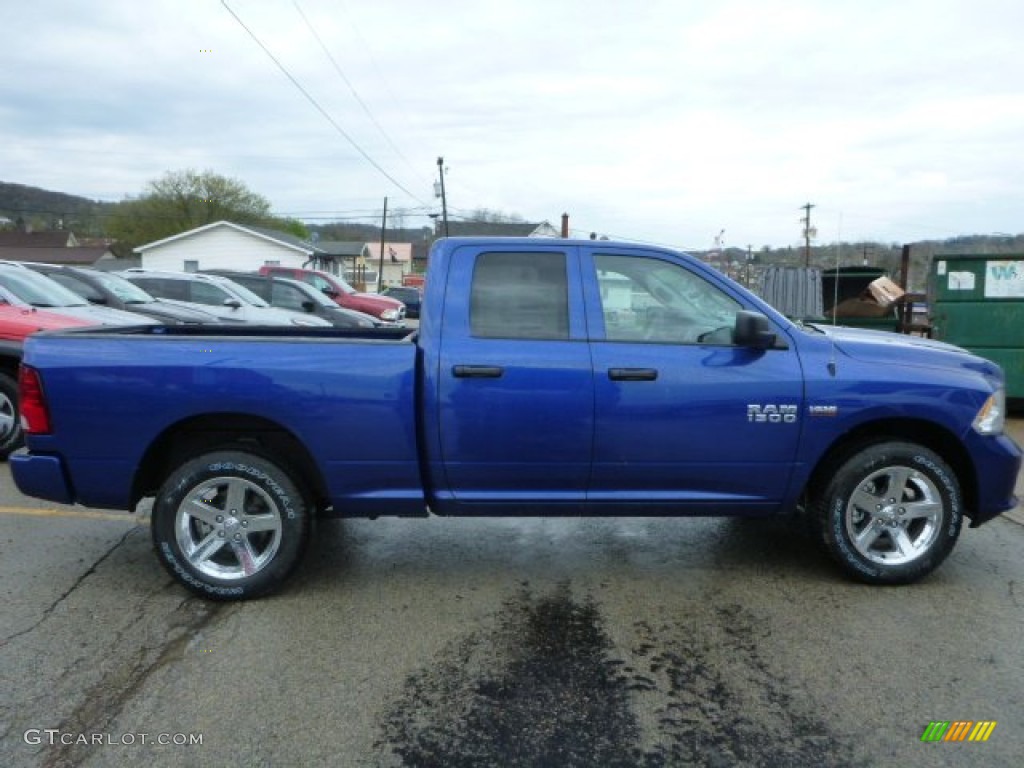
225, 245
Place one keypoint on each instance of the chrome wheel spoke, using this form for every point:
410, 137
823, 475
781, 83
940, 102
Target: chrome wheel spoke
865, 501
207, 548
201, 510
926, 509
258, 523
235, 503
867, 536
902, 543
246, 556
898, 479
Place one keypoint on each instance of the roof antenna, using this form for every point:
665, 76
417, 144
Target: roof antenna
835, 298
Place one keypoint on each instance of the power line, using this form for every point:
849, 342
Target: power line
355, 94
317, 106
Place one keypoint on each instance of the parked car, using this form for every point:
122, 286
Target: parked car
383, 307
408, 295
297, 296
16, 324
111, 290
20, 286
226, 299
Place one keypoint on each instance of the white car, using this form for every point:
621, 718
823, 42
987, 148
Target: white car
224, 298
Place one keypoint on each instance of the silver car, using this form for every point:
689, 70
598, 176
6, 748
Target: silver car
224, 298
21, 286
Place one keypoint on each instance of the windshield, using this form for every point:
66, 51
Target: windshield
242, 293
124, 290
37, 290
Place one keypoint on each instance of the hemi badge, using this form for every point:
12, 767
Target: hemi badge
823, 410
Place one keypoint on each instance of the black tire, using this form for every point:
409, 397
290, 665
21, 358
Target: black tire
230, 525
10, 420
891, 513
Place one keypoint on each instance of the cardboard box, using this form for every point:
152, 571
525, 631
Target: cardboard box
884, 291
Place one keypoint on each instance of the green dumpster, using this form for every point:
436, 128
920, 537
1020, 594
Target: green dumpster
978, 304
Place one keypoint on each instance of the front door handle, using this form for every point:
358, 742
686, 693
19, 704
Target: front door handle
477, 371
633, 374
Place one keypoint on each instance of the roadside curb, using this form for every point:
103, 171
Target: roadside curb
1015, 515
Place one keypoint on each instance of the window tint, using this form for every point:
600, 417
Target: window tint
83, 289
205, 293
162, 287
520, 296
287, 297
657, 301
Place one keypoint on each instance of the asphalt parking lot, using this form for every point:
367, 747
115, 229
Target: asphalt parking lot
609, 642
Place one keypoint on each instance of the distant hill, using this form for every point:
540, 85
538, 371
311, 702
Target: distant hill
42, 209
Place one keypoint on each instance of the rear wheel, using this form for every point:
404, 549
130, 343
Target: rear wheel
891, 513
230, 525
10, 423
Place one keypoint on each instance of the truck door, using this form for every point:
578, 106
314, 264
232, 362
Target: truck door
684, 420
515, 385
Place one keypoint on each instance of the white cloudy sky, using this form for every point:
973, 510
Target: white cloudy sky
658, 121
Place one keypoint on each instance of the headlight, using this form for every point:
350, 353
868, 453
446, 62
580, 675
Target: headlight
389, 314
992, 414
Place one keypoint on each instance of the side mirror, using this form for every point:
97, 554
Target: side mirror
330, 292
233, 303
308, 305
752, 330
101, 300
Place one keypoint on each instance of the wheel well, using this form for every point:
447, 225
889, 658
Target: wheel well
9, 366
930, 435
201, 434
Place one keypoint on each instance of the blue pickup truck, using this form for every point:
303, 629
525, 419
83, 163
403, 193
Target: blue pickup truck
548, 377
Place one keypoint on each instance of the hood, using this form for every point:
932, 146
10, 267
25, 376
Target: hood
887, 348
91, 314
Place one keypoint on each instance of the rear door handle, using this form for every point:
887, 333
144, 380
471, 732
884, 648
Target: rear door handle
477, 371
633, 374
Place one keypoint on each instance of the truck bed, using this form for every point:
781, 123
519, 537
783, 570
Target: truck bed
347, 397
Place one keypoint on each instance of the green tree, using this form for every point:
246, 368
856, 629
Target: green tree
183, 200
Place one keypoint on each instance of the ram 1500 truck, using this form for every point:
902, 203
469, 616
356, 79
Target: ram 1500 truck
548, 377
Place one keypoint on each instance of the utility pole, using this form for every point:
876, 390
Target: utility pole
808, 232
439, 192
383, 229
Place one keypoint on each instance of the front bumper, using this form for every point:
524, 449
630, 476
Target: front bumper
997, 462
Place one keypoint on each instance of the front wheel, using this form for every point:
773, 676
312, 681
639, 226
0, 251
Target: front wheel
230, 525
891, 513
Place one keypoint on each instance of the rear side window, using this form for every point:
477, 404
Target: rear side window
287, 297
204, 293
163, 288
520, 296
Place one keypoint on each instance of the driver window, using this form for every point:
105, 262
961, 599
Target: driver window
650, 300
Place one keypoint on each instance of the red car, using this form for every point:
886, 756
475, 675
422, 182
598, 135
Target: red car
388, 310
16, 323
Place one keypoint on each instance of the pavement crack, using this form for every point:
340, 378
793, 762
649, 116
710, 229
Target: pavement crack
70, 590
103, 703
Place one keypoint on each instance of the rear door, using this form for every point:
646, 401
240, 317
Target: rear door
685, 420
515, 385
